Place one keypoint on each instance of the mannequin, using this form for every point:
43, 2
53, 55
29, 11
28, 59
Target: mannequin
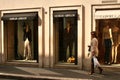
68, 40
27, 40
115, 33
107, 39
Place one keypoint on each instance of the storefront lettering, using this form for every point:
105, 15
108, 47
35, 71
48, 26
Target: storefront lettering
65, 15
58, 15
70, 15
22, 18
13, 18
106, 16
18, 18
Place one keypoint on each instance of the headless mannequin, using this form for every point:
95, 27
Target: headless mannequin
107, 39
115, 34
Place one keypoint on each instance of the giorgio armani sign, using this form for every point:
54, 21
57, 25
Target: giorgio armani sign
19, 16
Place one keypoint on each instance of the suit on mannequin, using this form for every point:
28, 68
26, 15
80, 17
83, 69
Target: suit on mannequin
68, 40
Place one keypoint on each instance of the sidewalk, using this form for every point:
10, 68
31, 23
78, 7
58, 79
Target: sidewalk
33, 73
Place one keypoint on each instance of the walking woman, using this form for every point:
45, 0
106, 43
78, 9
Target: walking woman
94, 53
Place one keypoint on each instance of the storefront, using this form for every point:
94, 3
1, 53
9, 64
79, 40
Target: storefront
60, 31
107, 15
65, 47
15, 47
65, 36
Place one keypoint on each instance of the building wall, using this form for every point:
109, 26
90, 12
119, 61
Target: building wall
46, 4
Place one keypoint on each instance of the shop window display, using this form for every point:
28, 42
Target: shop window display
114, 39
65, 29
15, 38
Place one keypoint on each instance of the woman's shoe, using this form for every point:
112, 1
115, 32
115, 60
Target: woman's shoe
91, 73
101, 70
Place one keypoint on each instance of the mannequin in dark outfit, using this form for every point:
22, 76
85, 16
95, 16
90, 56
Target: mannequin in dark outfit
68, 40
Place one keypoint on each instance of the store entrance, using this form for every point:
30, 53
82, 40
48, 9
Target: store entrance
114, 25
65, 36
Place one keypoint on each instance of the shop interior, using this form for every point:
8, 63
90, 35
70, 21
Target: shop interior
115, 49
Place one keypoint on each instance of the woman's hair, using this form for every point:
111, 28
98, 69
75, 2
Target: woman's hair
94, 34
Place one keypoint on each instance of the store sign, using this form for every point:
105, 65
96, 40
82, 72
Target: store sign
109, 1
18, 18
65, 15
107, 14
58, 15
69, 13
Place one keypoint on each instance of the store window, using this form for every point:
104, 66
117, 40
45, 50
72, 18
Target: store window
65, 36
108, 29
109, 51
21, 36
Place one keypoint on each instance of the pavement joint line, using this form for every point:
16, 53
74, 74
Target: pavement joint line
38, 77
